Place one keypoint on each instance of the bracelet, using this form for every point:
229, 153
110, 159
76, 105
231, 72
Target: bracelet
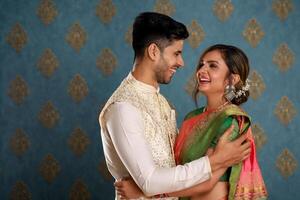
161, 195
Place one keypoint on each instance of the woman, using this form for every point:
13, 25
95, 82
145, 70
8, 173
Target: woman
222, 78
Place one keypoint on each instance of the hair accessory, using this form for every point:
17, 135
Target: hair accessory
245, 88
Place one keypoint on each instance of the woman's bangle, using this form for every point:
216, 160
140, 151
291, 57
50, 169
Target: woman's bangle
161, 195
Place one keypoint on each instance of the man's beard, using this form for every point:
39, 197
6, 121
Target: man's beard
161, 71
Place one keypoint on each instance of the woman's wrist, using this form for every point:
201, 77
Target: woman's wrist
161, 195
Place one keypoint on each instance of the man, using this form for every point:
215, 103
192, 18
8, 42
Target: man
138, 127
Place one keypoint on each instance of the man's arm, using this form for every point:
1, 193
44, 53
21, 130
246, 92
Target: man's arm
125, 126
127, 188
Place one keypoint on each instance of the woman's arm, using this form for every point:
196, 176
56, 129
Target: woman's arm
128, 189
201, 187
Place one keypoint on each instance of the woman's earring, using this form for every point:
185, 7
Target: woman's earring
229, 92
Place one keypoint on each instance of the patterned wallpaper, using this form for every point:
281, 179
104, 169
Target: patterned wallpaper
61, 60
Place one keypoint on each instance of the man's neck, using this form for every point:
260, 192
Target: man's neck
142, 72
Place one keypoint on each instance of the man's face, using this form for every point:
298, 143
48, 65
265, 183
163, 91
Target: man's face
170, 60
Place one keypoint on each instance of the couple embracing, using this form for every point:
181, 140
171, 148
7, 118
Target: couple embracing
213, 156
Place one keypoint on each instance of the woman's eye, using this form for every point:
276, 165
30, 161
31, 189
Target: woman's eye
200, 65
213, 65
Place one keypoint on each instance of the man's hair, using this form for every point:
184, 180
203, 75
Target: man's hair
151, 27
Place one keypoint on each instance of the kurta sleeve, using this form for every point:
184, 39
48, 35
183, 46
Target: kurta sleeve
126, 131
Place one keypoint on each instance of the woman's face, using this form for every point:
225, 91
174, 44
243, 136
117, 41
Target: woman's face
212, 74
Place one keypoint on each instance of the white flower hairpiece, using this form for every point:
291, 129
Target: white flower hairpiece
245, 88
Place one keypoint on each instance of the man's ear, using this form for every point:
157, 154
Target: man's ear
153, 51
235, 78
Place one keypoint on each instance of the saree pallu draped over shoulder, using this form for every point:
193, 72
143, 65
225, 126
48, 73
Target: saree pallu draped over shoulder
198, 132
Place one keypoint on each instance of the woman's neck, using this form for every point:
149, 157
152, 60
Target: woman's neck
214, 102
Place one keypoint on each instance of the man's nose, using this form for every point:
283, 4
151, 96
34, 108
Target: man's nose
180, 62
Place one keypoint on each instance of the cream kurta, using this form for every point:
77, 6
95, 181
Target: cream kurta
138, 130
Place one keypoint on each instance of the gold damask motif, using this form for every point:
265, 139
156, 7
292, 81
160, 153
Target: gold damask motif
49, 168
20, 192
47, 63
78, 141
79, 191
165, 7
106, 62
78, 88
283, 57
18, 90
282, 8
223, 9
286, 163
76, 37
48, 115
253, 32
285, 110
106, 10
196, 34
257, 85
104, 171
190, 85
47, 11
128, 35
19, 142
259, 135
17, 37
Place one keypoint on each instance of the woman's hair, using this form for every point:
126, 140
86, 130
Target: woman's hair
237, 63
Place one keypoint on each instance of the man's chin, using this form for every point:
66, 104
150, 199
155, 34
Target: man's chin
165, 81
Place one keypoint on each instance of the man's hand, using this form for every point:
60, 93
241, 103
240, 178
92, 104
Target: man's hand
229, 153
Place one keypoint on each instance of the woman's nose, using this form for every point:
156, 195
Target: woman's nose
202, 69
198, 73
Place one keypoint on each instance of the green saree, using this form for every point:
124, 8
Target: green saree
201, 131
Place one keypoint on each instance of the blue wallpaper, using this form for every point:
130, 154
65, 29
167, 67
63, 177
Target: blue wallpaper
63, 158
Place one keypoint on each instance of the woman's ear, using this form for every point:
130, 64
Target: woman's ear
235, 78
153, 51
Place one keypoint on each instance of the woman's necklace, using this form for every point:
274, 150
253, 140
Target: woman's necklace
215, 109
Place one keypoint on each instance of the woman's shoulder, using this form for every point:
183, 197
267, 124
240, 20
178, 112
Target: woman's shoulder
234, 110
237, 116
193, 113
